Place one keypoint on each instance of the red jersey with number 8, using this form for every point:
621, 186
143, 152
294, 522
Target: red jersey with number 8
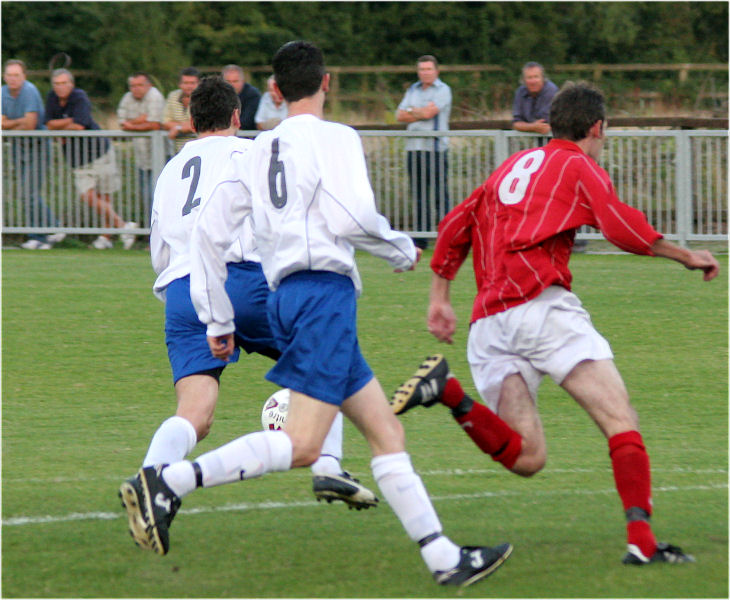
520, 225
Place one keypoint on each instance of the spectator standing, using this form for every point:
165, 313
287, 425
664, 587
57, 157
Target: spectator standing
531, 106
426, 106
92, 159
272, 107
176, 116
23, 110
141, 109
247, 94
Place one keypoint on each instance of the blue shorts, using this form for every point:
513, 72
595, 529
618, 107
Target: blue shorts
185, 335
313, 316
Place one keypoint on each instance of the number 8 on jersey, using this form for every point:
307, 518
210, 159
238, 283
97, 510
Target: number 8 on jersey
514, 185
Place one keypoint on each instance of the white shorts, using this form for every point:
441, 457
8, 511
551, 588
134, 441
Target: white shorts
550, 335
100, 174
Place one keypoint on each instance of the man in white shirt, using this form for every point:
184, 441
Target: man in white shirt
312, 205
182, 190
272, 108
141, 109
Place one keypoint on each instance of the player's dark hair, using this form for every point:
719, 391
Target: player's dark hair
212, 104
298, 70
575, 109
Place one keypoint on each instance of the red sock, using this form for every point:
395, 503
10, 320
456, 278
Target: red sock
491, 434
633, 482
453, 393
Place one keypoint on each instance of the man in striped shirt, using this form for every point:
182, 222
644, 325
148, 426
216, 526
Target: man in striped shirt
520, 226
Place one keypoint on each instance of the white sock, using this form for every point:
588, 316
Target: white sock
405, 493
172, 442
180, 477
441, 554
326, 465
247, 457
329, 461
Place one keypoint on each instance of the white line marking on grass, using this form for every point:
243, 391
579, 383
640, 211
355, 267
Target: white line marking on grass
241, 507
426, 473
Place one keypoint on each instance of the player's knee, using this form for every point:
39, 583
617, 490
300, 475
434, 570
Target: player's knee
304, 455
529, 465
202, 429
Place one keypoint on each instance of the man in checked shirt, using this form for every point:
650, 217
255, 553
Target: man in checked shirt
520, 226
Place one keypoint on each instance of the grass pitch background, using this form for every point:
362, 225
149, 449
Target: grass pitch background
86, 383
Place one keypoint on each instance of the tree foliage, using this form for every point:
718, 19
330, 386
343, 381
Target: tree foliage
116, 38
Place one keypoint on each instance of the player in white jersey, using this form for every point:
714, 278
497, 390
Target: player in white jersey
182, 189
312, 206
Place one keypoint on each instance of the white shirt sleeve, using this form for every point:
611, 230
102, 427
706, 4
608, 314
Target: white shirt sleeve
348, 203
159, 250
219, 221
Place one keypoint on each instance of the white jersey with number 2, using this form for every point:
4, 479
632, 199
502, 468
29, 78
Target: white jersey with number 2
312, 206
184, 185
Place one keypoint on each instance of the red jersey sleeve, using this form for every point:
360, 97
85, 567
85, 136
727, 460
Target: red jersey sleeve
454, 236
621, 224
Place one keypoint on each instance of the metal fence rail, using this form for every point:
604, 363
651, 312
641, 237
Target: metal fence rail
677, 178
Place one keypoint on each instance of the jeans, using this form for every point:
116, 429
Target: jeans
146, 190
31, 159
428, 177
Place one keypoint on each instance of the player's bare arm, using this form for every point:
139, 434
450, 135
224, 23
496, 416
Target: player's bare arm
441, 316
691, 259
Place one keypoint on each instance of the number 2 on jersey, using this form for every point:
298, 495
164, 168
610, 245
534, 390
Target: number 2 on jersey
192, 165
514, 185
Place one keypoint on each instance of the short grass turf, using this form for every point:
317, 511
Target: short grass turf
85, 383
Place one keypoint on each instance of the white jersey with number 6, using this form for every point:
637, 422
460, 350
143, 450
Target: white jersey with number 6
313, 204
184, 185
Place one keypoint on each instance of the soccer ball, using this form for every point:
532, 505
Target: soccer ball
276, 408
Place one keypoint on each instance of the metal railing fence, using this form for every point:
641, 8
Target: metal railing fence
678, 179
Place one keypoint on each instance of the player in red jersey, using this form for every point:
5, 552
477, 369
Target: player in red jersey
520, 226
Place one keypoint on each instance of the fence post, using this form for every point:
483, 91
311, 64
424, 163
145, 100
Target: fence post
683, 187
158, 161
501, 148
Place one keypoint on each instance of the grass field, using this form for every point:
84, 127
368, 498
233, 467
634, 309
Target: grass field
86, 383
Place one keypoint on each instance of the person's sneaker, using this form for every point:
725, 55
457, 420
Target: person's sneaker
343, 487
664, 553
476, 562
425, 387
55, 238
128, 238
130, 493
33, 244
102, 243
160, 505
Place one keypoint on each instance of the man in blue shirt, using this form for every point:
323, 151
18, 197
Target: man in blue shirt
531, 107
247, 94
426, 106
23, 110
